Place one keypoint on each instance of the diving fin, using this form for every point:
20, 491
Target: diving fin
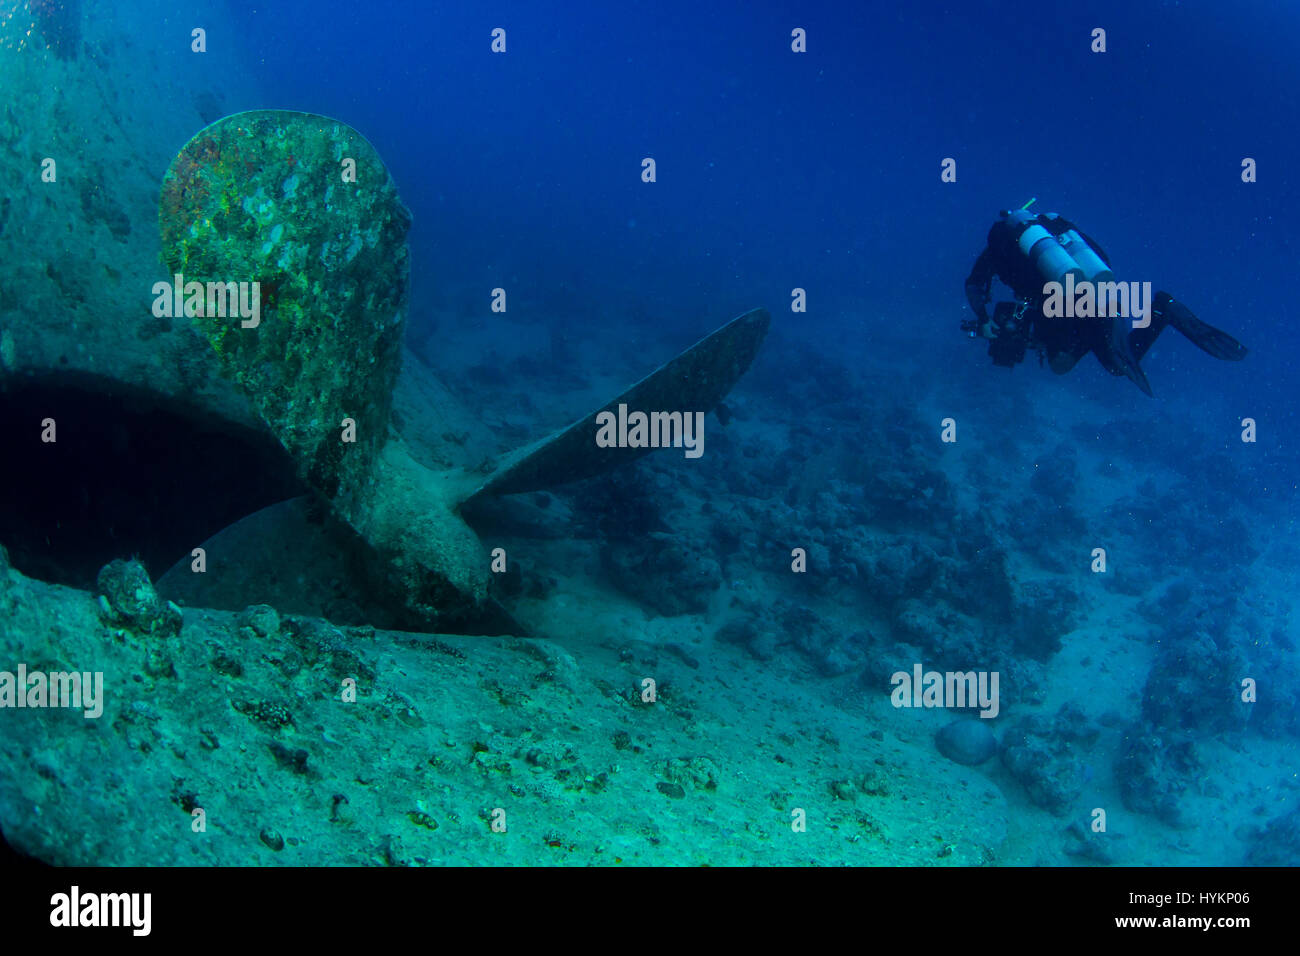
1120, 360
1139, 378
1204, 336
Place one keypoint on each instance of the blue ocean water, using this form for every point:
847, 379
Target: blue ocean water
1125, 564
821, 171
823, 167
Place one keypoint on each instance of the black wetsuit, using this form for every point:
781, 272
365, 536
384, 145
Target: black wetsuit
1016, 327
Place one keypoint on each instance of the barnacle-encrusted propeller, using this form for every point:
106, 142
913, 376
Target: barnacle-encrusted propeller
296, 214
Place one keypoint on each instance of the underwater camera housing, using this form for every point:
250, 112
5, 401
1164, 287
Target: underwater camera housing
1008, 347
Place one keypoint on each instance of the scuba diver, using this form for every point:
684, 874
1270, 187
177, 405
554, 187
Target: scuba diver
1026, 251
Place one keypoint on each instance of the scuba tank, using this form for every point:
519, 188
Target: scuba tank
1049, 256
1043, 249
1055, 257
1077, 248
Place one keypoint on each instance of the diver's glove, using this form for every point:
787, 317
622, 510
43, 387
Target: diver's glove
978, 297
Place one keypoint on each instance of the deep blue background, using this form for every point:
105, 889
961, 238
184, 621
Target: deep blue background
821, 170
